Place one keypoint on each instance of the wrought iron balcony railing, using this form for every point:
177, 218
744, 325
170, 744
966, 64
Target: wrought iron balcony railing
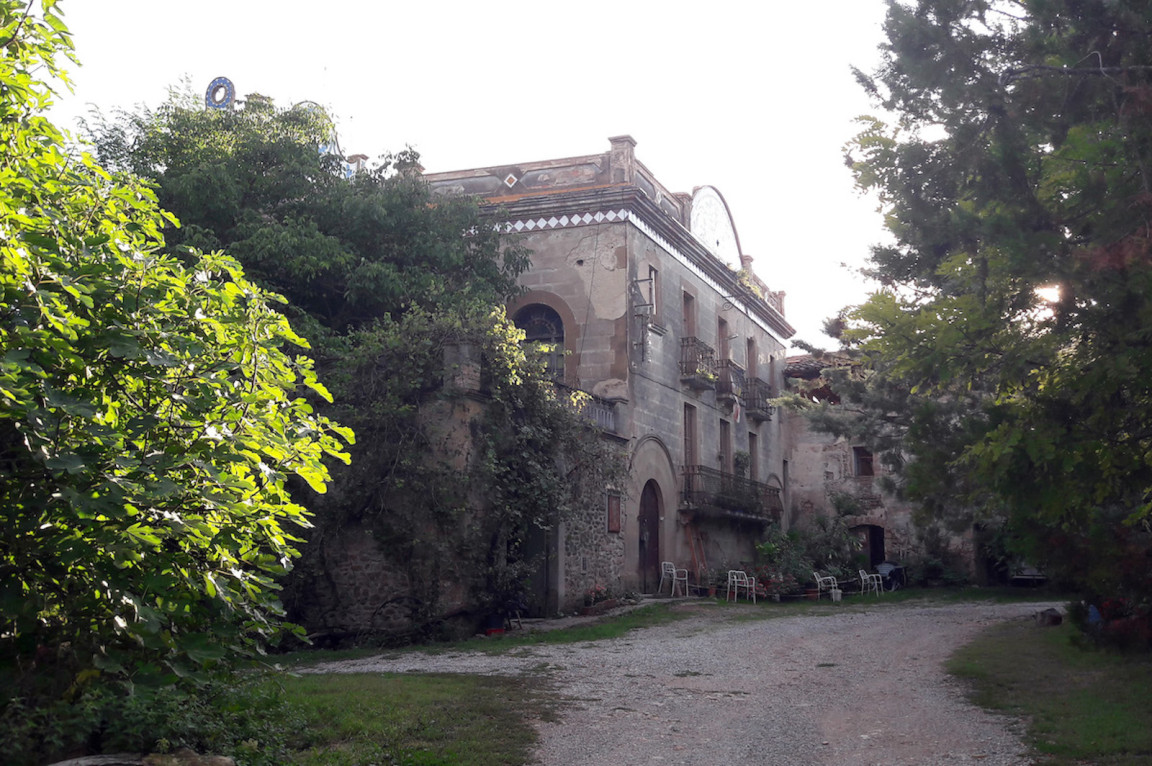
697, 363
724, 494
729, 379
757, 395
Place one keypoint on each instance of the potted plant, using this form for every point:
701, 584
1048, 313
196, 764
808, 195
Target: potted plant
718, 582
597, 600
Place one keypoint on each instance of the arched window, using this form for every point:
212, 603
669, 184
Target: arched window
543, 327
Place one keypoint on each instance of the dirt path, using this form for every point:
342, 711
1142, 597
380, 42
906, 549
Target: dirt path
845, 685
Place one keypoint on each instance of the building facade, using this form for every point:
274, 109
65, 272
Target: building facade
661, 318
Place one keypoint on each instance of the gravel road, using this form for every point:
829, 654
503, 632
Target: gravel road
845, 684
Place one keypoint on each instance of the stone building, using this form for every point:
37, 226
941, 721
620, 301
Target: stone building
834, 475
661, 318
646, 301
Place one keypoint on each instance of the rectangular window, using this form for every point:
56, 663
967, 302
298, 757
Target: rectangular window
863, 460
753, 456
613, 507
750, 359
690, 435
689, 316
654, 295
722, 338
725, 446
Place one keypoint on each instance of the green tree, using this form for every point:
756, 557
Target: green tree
1017, 290
383, 278
268, 185
149, 419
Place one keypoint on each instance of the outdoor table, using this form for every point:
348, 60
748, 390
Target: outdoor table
894, 575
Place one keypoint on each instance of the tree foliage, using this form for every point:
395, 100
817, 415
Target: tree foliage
268, 185
1014, 179
150, 417
384, 279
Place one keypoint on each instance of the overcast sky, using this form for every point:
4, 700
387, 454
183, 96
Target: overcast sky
754, 98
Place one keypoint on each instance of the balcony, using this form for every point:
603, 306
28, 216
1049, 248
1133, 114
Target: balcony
729, 381
600, 413
757, 396
723, 495
697, 364
595, 410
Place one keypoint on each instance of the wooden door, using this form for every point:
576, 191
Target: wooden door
649, 527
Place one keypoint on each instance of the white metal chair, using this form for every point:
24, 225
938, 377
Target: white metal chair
674, 576
737, 581
825, 583
873, 582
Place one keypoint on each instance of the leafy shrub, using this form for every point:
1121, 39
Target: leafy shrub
787, 559
243, 716
1114, 623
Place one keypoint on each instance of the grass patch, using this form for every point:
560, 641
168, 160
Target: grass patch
597, 630
961, 594
415, 719
795, 607
1080, 705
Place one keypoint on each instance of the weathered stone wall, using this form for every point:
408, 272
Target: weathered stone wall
822, 466
659, 397
363, 589
593, 555
581, 274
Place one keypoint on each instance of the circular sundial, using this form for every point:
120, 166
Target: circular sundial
712, 225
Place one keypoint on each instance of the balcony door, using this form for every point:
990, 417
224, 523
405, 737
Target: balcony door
649, 527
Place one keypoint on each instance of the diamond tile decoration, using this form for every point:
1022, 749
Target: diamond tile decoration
583, 219
510, 180
564, 221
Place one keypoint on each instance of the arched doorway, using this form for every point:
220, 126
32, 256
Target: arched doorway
649, 528
543, 327
872, 539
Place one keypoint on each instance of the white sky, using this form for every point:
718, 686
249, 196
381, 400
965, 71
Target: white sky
754, 98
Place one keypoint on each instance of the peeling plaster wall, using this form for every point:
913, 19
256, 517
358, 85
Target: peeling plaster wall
586, 269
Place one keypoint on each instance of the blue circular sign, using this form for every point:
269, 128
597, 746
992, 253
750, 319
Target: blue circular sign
221, 93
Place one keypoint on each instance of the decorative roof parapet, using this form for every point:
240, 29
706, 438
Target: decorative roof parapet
585, 190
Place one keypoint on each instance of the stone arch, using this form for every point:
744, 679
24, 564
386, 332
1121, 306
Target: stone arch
651, 462
648, 550
572, 329
542, 325
777, 507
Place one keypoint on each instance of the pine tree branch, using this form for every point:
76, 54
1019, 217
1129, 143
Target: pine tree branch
1041, 70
